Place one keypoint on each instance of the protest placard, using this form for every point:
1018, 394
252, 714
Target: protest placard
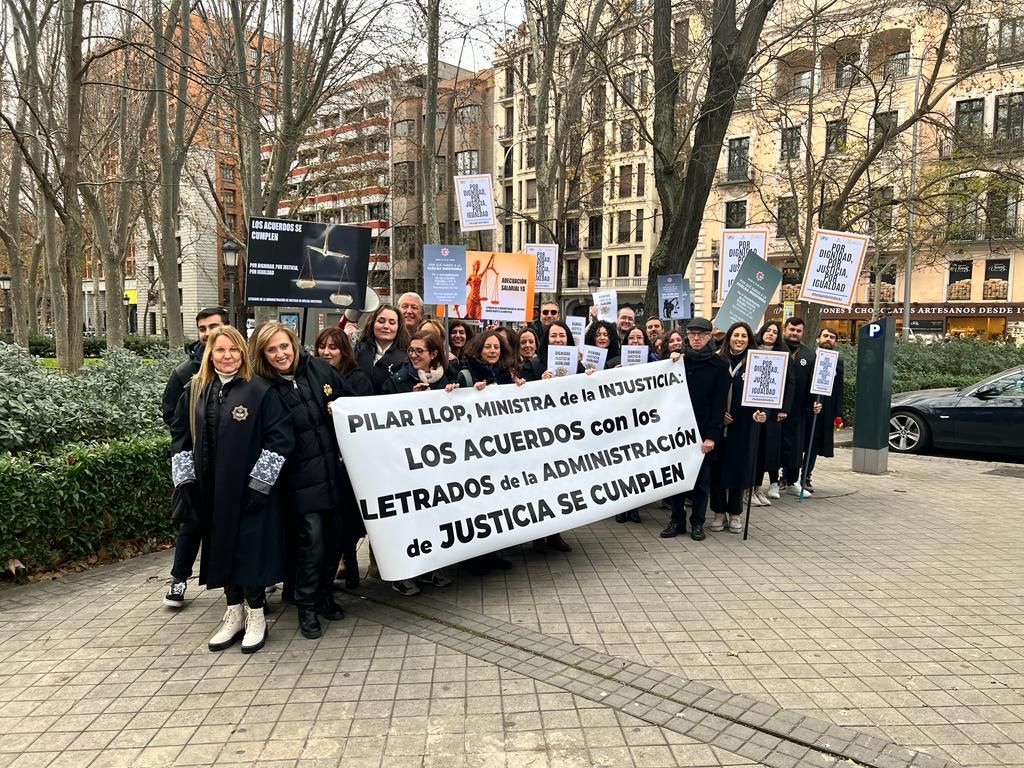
475, 197
444, 274
737, 244
563, 361
750, 294
498, 286
306, 264
607, 303
674, 297
547, 265
634, 354
826, 362
443, 477
764, 384
577, 325
593, 357
833, 268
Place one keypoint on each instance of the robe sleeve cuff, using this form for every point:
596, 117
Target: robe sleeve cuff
267, 468
183, 470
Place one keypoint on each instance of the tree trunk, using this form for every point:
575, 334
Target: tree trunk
19, 289
428, 148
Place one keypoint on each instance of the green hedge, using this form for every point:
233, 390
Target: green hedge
94, 346
84, 499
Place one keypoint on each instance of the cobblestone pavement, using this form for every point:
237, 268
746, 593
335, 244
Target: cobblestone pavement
877, 624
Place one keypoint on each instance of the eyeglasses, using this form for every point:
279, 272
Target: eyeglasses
698, 333
417, 351
549, 311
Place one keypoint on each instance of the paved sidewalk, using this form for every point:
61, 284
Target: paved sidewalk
879, 624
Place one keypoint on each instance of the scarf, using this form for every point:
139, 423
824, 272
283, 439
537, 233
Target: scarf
481, 371
430, 377
379, 351
701, 355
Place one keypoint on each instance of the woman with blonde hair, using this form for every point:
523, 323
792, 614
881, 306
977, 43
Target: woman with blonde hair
230, 438
313, 476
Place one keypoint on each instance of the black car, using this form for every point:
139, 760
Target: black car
987, 416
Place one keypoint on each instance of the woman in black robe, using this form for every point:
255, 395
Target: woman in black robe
230, 438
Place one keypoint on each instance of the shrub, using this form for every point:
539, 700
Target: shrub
95, 346
42, 346
114, 399
84, 499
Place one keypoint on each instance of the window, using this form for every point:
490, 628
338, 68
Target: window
973, 48
531, 153
625, 226
736, 214
228, 198
572, 273
405, 128
572, 235
531, 195
405, 178
846, 70
510, 82
639, 225
1003, 209
379, 212
885, 125
790, 143
897, 64
970, 118
611, 235
405, 243
882, 216
963, 216
626, 136
1011, 39
629, 88
531, 232
622, 265
1010, 116
644, 86
626, 181
227, 173
531, 111
468, 114
467, 162
802, 84
641, 178
681, 37
629, 42
509, 199
507, 244
594, 268
638, 264
739, 159
594, 232
786, 218
531, 70
835, 136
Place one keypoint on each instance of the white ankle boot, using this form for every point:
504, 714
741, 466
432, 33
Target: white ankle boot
773, 491
255, 629
718, 524
230, 630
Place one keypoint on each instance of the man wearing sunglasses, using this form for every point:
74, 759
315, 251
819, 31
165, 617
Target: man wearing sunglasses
549, 312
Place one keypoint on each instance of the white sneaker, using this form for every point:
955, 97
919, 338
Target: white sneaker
735, 524
755, 500
718, 524
230, 630
794, 488
255, 629
761, 498
773, 491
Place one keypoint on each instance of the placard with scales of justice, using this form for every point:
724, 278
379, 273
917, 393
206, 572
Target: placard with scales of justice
499, 286
306, 264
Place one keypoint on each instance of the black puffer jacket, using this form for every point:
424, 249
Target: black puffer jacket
312, 475
181, 376
384, 368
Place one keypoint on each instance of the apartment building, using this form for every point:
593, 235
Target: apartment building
811, 113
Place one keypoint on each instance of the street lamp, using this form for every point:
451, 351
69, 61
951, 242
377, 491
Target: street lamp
126, 302
229, 255
5, 289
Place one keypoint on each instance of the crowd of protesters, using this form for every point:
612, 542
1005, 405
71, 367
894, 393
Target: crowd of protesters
261, 489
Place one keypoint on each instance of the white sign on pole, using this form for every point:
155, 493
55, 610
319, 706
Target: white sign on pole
764, 383
833, 268
826, 362
607, 303
563, 361
634, 354
547, 265
737, 244
578, 327
440, 477
475, 196
594, 357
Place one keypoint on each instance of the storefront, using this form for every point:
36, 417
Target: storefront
929, 321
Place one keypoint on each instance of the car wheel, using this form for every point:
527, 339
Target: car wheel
908, 432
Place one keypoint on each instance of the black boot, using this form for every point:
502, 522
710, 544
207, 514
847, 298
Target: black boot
351, 569
634, 515
622, 517
309, 624
329, 609
673, 529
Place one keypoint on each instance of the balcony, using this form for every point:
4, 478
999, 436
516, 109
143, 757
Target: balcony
735, 174
792, 92
505, 132
983, 231
507, 92
967, 143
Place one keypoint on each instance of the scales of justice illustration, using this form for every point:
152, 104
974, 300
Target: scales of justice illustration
342, 295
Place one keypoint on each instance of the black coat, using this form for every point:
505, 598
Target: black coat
243, 437
794, 428
358, 382
384, 368
707, 380
831, 406
770, 456
736, 453
405, 379
180, 377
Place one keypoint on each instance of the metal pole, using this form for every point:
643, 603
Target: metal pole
231, 300
908, 267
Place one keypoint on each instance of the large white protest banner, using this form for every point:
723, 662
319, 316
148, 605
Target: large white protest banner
737, 244
833, 268
441, 477
826, 361
764, 384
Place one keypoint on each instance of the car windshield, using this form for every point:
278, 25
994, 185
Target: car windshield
1003, 380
